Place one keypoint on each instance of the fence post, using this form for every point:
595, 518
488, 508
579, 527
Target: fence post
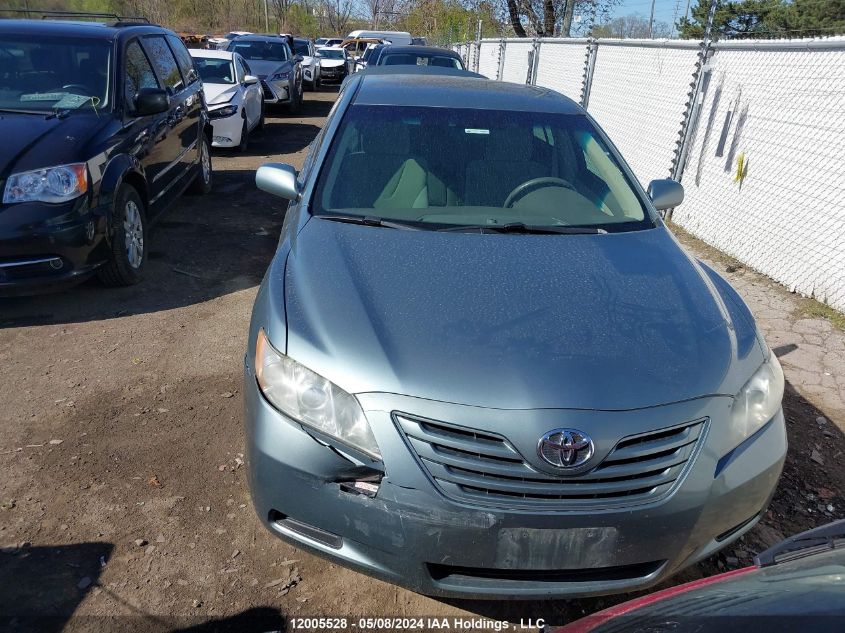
589, 68
501, 69
533, 60
478, 47
692, 111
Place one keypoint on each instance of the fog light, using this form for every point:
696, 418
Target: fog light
56, 264
368, 488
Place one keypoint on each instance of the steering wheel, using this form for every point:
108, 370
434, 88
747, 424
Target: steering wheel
77, 89
522, 189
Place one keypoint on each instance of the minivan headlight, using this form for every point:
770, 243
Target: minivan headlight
758, 401
51, 184
310, 399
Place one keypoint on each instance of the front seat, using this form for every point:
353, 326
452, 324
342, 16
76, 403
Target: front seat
507, 163
384, 175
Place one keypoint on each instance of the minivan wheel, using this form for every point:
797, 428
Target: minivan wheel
202, 181
128, 242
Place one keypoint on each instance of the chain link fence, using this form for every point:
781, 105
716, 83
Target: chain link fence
753, 129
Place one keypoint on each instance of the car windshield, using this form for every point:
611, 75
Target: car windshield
417, 59
51, 73
215, 71
327, 53
260, 50
464, 166
301, 48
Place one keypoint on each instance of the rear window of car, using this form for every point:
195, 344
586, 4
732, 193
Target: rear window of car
261, 51
409, 59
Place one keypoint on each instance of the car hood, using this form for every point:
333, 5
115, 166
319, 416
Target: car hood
331, 63
215, 94
263, 68
617, 321
32, 141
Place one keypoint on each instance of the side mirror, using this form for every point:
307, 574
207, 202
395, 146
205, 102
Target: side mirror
298, 58
250, 80
278, 179
665, 193
151, 101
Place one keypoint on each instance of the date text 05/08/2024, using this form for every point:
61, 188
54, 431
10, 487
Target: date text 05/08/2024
453, 624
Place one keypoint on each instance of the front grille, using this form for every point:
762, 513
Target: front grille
268, 94
486, 468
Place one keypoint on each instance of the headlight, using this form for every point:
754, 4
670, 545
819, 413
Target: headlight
222, 113
311, 399
280, 76
52, 184
758, 401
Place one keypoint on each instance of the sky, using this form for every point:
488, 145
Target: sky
664, 10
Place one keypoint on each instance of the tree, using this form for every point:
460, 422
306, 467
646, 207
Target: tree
337, 14
548, 18
767, 18
632, 26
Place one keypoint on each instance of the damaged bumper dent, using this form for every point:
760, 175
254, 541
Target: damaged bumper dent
396, 524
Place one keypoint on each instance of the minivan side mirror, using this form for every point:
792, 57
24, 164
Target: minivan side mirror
151, 101
665, 193
250, 80
278, 179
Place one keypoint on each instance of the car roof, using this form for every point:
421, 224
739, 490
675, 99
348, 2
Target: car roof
210, 53
99, 30
422, 50
457, 89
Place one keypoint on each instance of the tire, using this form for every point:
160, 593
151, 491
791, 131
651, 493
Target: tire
128, 241
244, 144
319, 81
261, 127
295, 104
202, 181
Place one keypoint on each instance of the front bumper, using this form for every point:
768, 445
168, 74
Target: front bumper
411, 534
276, 91
333, 73
43, 245
227, 131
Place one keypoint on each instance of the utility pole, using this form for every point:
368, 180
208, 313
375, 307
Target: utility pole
266, 18
651, 21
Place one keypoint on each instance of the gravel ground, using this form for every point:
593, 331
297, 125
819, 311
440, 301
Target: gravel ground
123, 492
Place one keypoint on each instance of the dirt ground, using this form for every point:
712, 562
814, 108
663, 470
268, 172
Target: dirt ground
124, 499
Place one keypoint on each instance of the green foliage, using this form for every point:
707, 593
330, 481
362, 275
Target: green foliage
766, 19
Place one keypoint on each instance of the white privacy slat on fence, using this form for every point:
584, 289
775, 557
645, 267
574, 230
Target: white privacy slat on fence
638, 96
784, 112
561, 66
488, 61
516, 60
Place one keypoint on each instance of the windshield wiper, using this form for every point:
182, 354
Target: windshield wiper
13, 111
820, 539
369, 220
519, 227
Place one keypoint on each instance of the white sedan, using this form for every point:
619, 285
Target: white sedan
233, 94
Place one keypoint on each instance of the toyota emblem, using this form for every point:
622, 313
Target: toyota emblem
565, 448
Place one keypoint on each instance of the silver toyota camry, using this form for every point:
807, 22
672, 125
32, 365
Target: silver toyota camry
480, 365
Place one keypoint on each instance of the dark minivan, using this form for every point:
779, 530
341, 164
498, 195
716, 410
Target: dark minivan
103, 126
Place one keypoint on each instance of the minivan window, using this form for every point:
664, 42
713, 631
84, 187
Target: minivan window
183, 58
139, 73
447, 166
61, 73
164, 62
